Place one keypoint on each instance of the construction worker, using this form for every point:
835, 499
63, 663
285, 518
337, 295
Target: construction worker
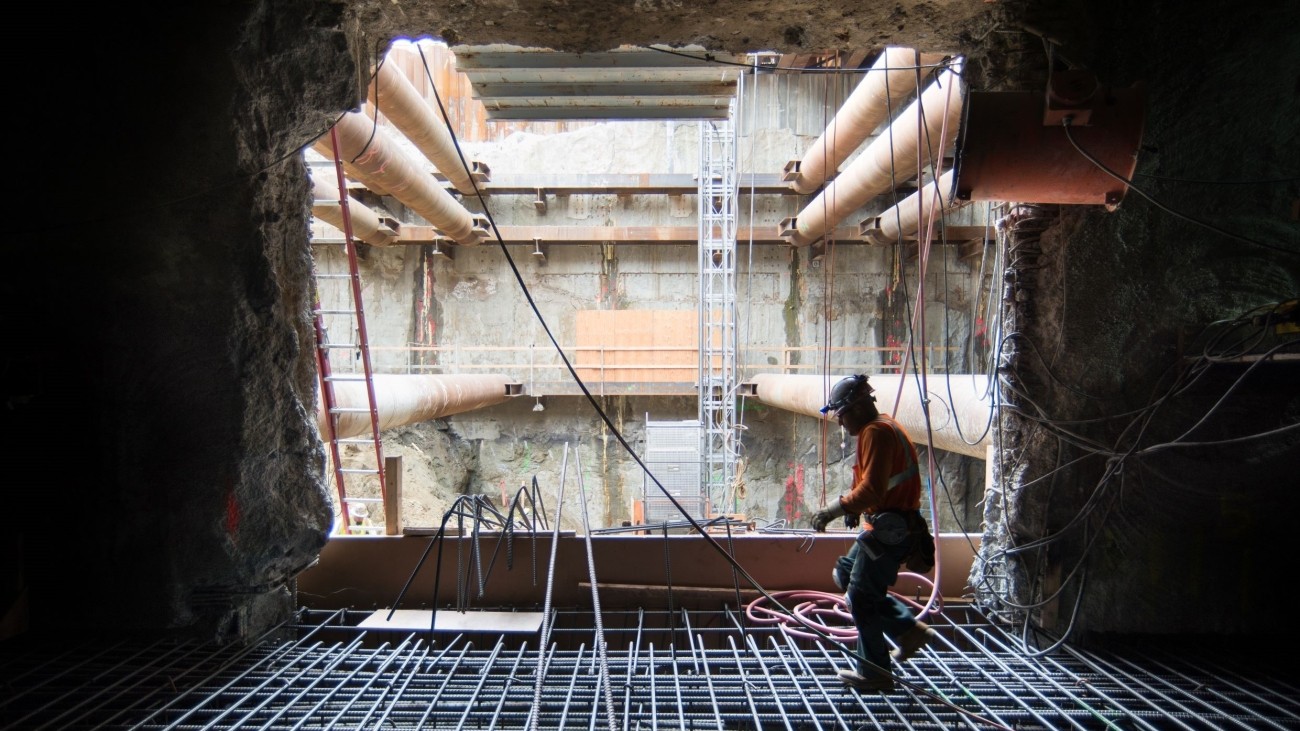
886, 492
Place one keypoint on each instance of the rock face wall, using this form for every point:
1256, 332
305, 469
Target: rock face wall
1129, 497
160, 375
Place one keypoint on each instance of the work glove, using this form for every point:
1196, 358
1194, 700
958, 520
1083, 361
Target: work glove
822, 518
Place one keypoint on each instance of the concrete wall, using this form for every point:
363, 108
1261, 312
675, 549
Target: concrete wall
856, 295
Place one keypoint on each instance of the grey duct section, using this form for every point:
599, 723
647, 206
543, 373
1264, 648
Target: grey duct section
890, 80
369, 155
903, 221
366, 224
889, 160
961, 406
392, 93
411, 399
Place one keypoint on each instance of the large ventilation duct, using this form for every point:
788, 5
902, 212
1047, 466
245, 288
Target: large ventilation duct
890, 80
370, 155
902, 222
410, 399
366, 224
960, 405
392, 93
889, 160
1016, 146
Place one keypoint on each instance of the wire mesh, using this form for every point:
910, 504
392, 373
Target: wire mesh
700, 670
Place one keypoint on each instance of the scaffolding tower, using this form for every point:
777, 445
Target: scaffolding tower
717, 332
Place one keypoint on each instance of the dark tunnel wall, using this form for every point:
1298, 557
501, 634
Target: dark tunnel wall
1126, 488
160, 383
160, 378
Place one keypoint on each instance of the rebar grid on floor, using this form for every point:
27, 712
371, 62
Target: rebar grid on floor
330, 674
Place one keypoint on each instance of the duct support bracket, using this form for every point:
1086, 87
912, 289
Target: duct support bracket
790, 172
442, 246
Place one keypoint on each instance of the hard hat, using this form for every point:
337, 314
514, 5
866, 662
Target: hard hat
848, 391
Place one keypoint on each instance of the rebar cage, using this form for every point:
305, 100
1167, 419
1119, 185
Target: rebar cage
680, 670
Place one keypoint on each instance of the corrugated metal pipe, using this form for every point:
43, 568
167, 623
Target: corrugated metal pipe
392, 93
955, 400
890, 80
889, 160
366, 225
902, 222
368, 154
410, 399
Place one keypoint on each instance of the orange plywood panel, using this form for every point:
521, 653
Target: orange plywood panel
678, 345
636, 346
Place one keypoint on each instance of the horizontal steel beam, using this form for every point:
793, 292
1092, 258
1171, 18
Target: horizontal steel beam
606, 88
608, 112
672, 235
602, 235
471, 59
624, 184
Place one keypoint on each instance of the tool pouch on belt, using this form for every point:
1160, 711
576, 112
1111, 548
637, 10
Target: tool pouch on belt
921, 558
888, 528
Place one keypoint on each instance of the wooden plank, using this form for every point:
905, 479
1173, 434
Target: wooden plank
393, 495
448, 620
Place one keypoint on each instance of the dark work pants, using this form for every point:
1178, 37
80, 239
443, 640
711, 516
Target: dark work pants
876, 613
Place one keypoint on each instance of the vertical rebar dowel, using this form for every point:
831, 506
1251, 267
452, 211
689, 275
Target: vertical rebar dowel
514, 670
713, 697
650, 677
740, 672
668, 581
806, 668
573, 680
483, 677
735, 577
406, 677
686, 623
477, 548
543, 648
595, 599
792, 675
767, 677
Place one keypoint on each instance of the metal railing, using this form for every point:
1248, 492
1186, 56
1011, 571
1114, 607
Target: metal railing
608, 369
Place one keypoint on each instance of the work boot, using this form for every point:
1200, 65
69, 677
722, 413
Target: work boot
862, 683
911, 642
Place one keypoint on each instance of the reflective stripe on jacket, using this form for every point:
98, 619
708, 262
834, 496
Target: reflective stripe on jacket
885, 476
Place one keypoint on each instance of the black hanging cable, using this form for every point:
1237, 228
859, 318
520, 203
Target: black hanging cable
374, 128
1065, 125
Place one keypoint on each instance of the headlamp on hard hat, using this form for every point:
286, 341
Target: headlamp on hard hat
846, 393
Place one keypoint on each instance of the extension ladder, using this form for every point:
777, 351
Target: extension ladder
356, 461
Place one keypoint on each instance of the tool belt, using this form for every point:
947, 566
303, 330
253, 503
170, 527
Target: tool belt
899, 527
